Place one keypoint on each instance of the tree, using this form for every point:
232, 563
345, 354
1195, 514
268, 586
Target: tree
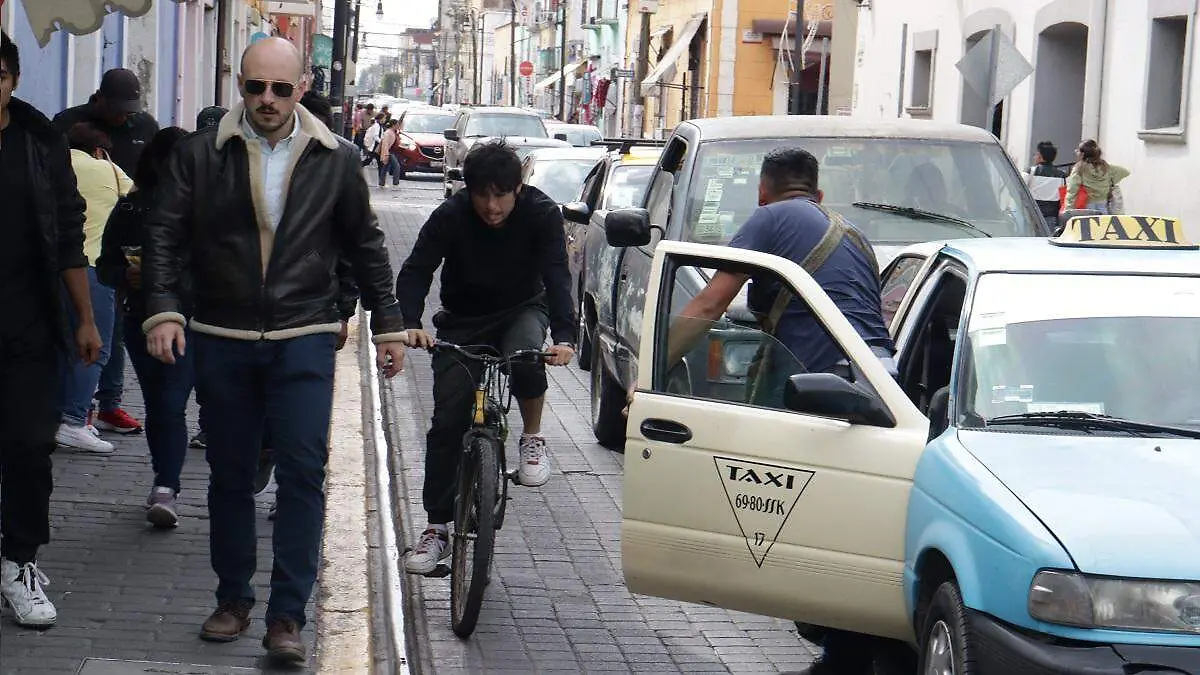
392, 83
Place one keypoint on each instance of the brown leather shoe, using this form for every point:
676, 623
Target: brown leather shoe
283, 643
227, 623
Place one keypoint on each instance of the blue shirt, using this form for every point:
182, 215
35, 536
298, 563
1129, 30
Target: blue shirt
792, 229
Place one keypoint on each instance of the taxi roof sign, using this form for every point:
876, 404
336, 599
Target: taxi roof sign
1124, 231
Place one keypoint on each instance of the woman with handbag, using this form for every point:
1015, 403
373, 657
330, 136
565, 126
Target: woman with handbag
1093, 183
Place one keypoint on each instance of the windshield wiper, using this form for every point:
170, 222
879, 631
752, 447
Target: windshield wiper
920, 214
1073, 419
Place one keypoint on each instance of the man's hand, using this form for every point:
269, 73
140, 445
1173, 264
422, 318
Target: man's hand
343, 335
164, 339
419, 339
560, 355
87, 341
389, 356
133, 276
628, 401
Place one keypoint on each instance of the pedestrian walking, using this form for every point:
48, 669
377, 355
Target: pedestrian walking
264, 206
42, 258
165, 388
371, 140
389, 161
116, 109
1097, 179
102, 183
1045, 181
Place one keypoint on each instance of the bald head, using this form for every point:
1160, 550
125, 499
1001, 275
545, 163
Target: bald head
270, 83
272, 58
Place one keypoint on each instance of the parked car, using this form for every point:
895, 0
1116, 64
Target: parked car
519, 128
899, 181
421, 139
578, 135
559, 172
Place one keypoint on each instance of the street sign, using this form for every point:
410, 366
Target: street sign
526, 69
1009, 70
322, 50
622, 73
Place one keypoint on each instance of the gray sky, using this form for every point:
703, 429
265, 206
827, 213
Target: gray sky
397, 15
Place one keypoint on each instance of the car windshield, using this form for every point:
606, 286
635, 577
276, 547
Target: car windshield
973, 182
1115, 345
627, 186
561, 179
427, 124
505, 125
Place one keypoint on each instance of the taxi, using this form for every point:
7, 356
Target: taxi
1021, 498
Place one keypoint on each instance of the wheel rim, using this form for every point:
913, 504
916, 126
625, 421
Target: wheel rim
939, 654
597, 386
463, 555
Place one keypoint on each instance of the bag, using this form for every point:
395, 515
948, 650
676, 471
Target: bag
1116, 200
1081, 198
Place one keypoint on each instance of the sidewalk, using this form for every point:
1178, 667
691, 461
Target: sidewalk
124, 591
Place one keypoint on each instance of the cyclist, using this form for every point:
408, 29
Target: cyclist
504, 281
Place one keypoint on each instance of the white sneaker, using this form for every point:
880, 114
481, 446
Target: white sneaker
432, 548
535, 462
80, 438
21, 588
93, 430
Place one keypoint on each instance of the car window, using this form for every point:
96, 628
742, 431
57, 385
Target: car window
505, 125
627, 186
560, 179
426, 124
895, 282
662, 187
591, 186
964, 180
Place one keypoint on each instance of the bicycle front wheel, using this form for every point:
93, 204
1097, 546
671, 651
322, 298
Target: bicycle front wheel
474, 534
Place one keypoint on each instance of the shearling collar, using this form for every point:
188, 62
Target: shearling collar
231, 126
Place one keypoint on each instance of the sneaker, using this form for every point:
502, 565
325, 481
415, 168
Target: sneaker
535, 464
199, 441
262, 477
90, 426
118, 421
160, 508
22, 588
80, 438
432, 548
271, 513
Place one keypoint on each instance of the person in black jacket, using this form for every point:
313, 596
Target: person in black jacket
42, 255
1044, 181
165, 388
504, 280
263, 207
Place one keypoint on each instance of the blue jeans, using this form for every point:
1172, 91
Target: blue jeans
165, 390
79, 381
1102, 207
391, 167
284, 387
112, 377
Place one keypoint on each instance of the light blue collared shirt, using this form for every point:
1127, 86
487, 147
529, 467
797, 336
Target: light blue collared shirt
275, 163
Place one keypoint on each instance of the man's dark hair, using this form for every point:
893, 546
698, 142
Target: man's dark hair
87, 137
492, 166
154, 157
9, 55
790, 170
319, 106
1047, 150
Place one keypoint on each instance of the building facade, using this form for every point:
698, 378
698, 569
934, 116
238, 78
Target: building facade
1118, 72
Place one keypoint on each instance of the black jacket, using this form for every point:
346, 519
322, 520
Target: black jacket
248, 281
128, 140
489, 270
60, 208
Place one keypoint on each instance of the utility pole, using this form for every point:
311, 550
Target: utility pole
337, 75
348, 121
797, 56
562, 80
222, 52
476, 74
643, 66
512, 56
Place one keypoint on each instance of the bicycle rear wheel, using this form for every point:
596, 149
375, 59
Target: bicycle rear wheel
474, 534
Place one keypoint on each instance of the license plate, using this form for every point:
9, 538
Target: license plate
437, 165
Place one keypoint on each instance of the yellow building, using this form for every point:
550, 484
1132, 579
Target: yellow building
717, 58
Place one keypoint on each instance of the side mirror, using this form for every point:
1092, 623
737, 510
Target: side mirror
627, 227
560, 137
939, 412
451, 134
576, 212
828, 395
454, 174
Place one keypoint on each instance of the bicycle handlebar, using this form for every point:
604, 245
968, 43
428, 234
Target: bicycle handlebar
465, 352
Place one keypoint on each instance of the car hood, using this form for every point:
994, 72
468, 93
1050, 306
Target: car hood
427, 139
1121, 506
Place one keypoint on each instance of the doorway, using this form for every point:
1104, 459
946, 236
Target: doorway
1058, 87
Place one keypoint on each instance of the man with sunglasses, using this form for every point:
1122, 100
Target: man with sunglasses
265, 205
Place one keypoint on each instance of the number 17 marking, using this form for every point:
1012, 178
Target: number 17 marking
759, 538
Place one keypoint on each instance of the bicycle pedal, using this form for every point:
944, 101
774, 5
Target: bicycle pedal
512, 476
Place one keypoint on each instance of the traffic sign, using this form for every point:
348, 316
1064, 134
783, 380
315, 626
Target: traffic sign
622, 73
526, 69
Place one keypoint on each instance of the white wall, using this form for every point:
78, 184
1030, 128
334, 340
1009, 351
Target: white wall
1113, 100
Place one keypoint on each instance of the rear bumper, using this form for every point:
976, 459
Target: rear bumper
1001, 649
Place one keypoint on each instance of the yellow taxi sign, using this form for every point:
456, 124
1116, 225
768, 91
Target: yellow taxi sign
1124, 231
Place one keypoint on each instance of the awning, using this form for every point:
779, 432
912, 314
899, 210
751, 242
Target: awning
79, 17
665, 68
572, 68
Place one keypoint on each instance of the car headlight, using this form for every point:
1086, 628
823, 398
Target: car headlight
1075, 599
407, 144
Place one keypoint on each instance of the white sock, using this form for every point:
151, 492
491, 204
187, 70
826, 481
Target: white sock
442, 528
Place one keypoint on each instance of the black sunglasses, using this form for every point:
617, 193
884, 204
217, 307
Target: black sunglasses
280, 89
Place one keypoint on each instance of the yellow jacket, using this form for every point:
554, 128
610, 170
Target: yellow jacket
101, 183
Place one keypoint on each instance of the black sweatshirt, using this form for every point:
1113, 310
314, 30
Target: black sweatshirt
488, 270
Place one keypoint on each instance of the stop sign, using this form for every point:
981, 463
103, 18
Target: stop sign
526, 69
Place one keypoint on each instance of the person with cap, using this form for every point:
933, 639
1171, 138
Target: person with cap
116, 110
210, 117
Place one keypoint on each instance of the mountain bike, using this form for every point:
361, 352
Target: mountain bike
483, 480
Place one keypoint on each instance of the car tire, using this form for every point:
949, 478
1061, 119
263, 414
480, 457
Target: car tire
447, 193
945, 638
607, 402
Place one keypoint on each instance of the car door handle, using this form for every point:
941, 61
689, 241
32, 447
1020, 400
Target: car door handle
666, 431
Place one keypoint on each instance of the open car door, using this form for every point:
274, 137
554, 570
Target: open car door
787, 499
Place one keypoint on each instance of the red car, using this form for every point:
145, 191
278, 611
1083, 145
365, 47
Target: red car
421, 145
